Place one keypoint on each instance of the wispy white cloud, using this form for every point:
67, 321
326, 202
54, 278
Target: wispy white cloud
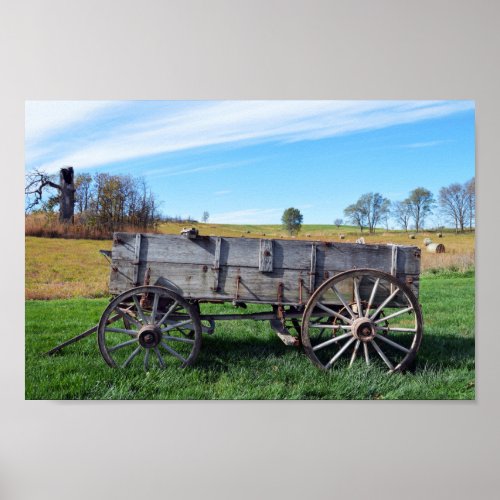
248, 216
44, 117
427, 144
211, 123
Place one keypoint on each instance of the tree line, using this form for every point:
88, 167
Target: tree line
455, 203
110, 202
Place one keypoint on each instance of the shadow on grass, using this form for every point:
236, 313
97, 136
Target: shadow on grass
436, 353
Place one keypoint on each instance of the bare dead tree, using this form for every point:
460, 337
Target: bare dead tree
38, 181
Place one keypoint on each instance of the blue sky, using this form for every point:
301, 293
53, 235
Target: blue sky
246, 161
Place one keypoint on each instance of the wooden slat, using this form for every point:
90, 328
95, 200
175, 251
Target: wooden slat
136, 261
312, 269
266, 256
216, 268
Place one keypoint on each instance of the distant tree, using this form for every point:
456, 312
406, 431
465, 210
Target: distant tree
356, 214
454, 203
338, 222
205, 216
401, 212
38, 181
83, 186
292, 220
368, 211
470, 187
421, 202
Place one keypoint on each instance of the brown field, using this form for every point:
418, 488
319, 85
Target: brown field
64, 268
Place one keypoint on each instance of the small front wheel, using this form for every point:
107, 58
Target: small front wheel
362, 313
150, 325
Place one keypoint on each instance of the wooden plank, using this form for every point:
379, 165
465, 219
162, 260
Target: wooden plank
312, 269
216, 268
266, 256
245, 252
195, 281
136, 261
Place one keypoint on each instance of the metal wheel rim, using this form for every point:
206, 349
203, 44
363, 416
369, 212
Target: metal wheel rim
349, 343
138, 321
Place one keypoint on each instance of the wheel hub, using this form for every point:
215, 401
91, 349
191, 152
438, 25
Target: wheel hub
363, 329
149, 336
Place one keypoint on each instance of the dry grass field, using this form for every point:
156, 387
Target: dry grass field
64, 268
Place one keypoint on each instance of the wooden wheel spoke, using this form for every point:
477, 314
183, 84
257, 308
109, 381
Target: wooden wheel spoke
367, 355
146, 359
124, 314
178, 339
357, 296
331, 341
386, 301
394, 315
123, 344
382, 355
341, 351
176, 325
160, 357
372, 295
354, 352
131, 357
395, 329
344, 303
392, 343
121, 330
330, 327
167, 314
140, 312
172, 352
154, 308
331, 312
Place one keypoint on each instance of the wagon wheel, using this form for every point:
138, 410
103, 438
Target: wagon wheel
386, 324
150, 328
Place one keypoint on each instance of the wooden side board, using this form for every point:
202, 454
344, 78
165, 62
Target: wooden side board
247, 269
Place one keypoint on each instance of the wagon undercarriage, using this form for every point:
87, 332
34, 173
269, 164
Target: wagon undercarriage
335, 315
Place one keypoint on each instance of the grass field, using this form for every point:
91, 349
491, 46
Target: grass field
245, 359
66, 268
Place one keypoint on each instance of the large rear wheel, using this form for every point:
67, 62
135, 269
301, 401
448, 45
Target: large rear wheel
363, 313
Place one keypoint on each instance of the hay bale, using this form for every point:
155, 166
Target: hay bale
427, 241
436, 248
308, 235
342, 236
361, 241
440, 235
411, 236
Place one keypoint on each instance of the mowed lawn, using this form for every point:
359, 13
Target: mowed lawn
245, 359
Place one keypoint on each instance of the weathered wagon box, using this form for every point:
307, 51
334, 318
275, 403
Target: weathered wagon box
209, 268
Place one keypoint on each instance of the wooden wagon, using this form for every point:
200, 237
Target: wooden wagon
338, 301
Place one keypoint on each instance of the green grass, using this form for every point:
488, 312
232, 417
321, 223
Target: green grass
245, 359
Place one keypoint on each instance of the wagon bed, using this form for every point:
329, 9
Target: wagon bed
250, 270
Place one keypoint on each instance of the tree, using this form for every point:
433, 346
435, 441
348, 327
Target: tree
368, 211
420, 202
338, 222
401, 212
39, 181
470, 187
205, 217
454, 203
83, 184
292, 220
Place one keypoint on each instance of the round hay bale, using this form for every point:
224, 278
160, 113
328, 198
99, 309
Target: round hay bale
440, 235
308, 235
411, 236
361, 241
436, 248
342, 236
427, 241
